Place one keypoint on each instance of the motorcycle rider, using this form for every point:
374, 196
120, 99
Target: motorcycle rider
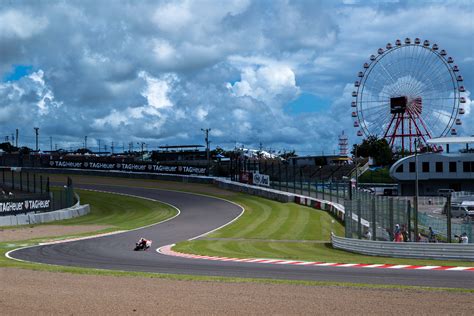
145, 243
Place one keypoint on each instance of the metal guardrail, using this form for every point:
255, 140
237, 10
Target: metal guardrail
412, 250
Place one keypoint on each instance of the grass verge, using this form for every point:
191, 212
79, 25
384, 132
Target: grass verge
286, 231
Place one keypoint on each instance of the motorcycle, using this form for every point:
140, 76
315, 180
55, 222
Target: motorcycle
142, 245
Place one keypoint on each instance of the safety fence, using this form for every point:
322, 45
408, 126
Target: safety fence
26, 192
418, 250
383, 218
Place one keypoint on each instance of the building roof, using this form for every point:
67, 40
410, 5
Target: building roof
452, 140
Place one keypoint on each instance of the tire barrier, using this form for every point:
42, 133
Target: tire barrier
419, 250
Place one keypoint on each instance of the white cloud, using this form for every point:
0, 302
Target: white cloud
164, 51
14, 23
165, 69
265, 83
172, 17
157, 90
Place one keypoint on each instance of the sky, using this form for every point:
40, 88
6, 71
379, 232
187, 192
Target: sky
275, 73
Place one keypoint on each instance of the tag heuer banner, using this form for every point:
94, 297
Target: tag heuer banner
25, 205
156, 168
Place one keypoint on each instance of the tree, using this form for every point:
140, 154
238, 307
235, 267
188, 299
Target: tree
8, 147
378, 149
290, 154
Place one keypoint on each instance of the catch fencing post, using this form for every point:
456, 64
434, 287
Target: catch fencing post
279, 176
301, 180
448, 219
359, 220
374, 223
390, 216
409, 220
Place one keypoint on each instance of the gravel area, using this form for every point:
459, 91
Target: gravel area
25, 292
25, 233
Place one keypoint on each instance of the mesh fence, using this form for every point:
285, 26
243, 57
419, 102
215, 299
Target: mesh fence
18, 184
393, 219
366, 211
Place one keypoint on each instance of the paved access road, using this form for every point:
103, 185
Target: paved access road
200, 214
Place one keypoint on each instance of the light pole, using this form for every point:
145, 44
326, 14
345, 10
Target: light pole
36, 133
206, 131
415, 209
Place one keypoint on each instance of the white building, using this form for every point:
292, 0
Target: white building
437, 170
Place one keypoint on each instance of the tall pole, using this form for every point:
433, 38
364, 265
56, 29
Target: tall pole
206, 131
112, 148
99, 145
51, 142
85, 142
36, 133
357, 169
415, 209
16, 138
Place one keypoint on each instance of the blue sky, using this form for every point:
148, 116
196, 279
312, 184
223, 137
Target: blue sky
278, 73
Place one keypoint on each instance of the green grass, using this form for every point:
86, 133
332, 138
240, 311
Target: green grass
264, 219
122, 212
376, 176
266, 227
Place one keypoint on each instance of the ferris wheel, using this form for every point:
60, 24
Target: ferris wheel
408, 91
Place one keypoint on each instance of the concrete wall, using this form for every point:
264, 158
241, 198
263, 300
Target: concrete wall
38, 218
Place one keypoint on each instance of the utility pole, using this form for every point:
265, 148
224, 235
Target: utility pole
16, 138
85, 142
51, 142
112, 148
36, 133
99, 146
206, 131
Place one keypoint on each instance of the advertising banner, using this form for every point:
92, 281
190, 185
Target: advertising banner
261, 179
25, 205
132, 167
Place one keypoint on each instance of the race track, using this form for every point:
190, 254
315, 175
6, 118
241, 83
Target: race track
200, 214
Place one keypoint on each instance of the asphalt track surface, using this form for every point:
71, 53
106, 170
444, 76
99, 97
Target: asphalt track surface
201, 214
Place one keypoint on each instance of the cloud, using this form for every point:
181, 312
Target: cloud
21, 25
265, 83
160, 71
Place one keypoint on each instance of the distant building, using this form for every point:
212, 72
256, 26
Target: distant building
437, 170
319, 160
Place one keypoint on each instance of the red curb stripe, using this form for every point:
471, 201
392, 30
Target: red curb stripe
166, 250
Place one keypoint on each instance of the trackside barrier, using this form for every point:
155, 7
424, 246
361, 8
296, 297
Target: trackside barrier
440, 251
38, 218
